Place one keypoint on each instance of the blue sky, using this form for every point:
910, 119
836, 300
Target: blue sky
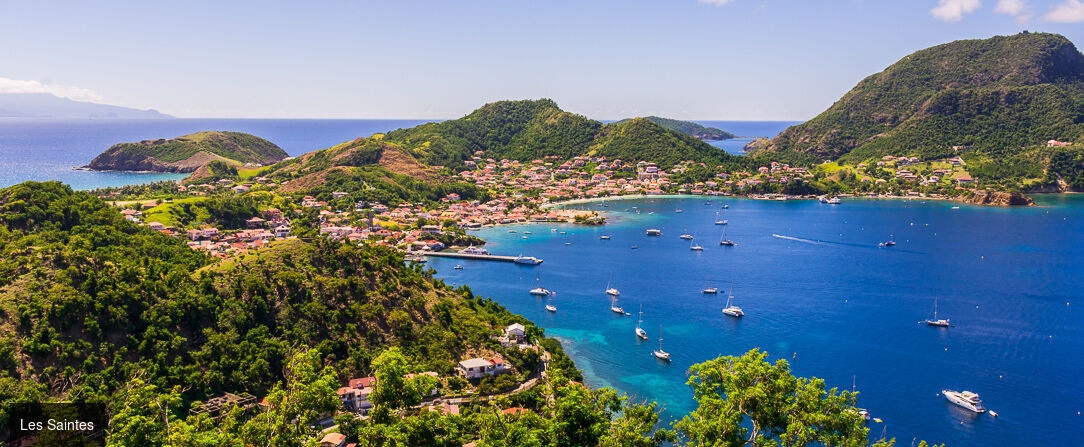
691, 59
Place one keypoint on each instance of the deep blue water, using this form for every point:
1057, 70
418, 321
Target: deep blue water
830, 301
746, 131
33, 149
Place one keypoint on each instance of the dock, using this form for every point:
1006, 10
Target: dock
480, 257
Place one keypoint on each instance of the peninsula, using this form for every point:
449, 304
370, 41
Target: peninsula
189, 153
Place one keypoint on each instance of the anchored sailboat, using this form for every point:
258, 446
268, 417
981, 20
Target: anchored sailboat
640, 332
659, 353
935, 321
539, 290
724, 241
615, 308
612, 291
730, 308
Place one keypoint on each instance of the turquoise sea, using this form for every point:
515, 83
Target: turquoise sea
828, 299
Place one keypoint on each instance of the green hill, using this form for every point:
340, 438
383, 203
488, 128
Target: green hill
997, 101
89, 300
690, 128
527, 130
188, 153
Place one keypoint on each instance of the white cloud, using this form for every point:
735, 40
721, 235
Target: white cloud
20, 86
1072, 11
1010, 7
715, 2
1018, 9
954, 10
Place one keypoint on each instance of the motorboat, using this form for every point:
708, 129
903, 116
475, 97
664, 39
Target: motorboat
528, 260
653, 232
966, 399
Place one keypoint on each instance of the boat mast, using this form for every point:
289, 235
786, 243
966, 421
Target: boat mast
641, 318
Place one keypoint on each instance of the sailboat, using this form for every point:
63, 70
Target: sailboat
724, 241
615, 308
890, 242
730, 308
640, 332
695, 247
710, 290
935, 321
612, 291
539, 290
549, 305
719, 221
659, 353
685, 235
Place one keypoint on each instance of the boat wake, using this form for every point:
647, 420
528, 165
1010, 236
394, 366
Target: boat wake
838, 244
798, 239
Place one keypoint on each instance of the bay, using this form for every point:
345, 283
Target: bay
826, 298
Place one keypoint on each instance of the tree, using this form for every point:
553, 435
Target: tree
393, 390
746, 401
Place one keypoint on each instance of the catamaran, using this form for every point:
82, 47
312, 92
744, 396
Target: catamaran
686, 235
615, 308
710, 290
612, 291
640, 332
659, 353
539, 290
730, 308
719, 221
724, 241
944, 322
966, 399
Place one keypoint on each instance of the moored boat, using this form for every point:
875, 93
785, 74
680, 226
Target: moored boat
965, 399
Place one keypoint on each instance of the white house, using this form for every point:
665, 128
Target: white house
515, 330
475, 368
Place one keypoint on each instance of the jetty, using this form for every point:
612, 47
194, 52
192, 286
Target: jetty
525, 260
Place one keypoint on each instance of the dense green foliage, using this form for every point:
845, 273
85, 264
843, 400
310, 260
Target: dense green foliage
90, 301
528, 130
994, 97
689, 128
236, 146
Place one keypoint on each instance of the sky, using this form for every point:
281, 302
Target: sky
606, 59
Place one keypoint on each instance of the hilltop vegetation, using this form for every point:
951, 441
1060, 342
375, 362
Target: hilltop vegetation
528, 130
997, 100
690, 128
188, 153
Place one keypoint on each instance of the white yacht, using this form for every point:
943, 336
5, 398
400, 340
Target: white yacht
965, 399
659, 353
640, 332
472, 250
605, 237
529, 260
942, 322
696, 247
615, 308
539, 290
730, 308
654, 232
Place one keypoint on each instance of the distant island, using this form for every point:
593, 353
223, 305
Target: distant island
189, 153
45, 105
1007, 107
690, 128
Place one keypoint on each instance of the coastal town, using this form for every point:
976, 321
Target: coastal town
533, 191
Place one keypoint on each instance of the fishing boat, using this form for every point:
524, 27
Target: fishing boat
653, 232
615, 308
550, 307
640, 332
730, 308
724, 241
539, 290
943, 322
659, 353
966, 399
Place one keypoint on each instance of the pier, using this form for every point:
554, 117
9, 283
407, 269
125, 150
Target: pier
524, 260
